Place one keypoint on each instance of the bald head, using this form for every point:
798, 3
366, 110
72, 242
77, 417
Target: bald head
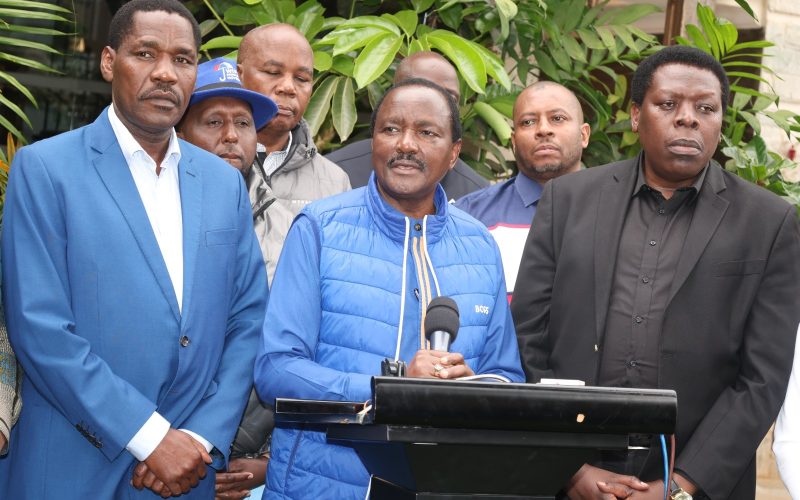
429, 66
549, 134
276, 60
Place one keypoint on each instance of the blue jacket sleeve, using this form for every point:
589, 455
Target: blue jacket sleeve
41, 323
217, 416
501, 351
286, 365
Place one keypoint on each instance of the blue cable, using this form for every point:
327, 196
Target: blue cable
666, 465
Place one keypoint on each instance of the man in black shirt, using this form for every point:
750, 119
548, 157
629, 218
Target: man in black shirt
666, 271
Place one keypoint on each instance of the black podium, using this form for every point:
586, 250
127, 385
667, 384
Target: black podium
435, 439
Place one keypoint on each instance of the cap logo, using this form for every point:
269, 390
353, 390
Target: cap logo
227, 72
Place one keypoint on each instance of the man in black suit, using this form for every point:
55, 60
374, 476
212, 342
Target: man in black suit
356, 158
666, 271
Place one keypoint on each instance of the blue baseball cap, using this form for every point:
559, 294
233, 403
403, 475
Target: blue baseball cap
218, 78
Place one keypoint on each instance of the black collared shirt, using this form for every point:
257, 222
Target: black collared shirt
650, 245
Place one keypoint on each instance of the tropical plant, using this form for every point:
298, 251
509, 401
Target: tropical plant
15, 36
747, 152
354, 59
5, 167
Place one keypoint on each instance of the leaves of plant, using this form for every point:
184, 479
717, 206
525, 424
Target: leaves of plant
406, 20
222, 42
466, 58
376, 58
320, 103
344, 108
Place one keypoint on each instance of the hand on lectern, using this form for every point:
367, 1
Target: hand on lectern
438, 364
594, 483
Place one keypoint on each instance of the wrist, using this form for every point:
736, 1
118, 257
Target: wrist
685, 484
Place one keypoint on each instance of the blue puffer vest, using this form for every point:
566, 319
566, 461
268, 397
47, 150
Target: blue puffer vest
377, 272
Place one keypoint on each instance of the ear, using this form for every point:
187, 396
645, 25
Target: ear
635, 117
513, 141
107, 63
586, 131
454, 154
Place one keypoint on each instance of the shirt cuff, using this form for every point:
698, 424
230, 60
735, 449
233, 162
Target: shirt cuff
149, 436
200, 439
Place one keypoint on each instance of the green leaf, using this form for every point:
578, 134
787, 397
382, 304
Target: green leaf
708, 21
415, 46
376, 58
495, 120
451, 15
344, 108
698, 38
746, 6
27, 4
749, 76
608, 40
545, 64
494, 66
208, 26
19, 42
322, 61
356, 38
561, 58
251, 2
12, 129
751, 120
507, 10
21, 88
343, 65
756, 44
626, 37
371, 22
16, 109
782, 118
222, 42
239, 15
320, 104
590, 39
33, 30
28, 63
728, 34
628, 15
740, 100
574, 50
466, 58
406, 20
30, 14
422, 5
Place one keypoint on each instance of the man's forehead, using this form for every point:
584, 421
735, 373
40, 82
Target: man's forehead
222, 104
414, 101
148, 28
685, 79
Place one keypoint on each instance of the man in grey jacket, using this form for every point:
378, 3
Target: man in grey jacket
276, 60
10, 403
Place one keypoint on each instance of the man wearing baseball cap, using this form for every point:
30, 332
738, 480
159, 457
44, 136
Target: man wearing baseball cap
223, 117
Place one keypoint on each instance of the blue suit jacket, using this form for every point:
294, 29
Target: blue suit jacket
94, 320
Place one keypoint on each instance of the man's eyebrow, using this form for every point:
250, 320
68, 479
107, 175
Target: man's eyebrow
273, 62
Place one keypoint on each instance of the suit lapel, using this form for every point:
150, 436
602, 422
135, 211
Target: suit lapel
611, 209
115, 174
191, 206
707, 215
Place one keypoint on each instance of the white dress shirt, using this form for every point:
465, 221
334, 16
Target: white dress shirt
161, 196
787, 431
274, 159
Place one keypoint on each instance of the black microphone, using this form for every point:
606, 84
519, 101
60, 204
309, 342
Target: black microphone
441, 323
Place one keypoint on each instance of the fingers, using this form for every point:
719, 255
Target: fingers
225, 478
138, 474
631, 482
615, 490
232, 495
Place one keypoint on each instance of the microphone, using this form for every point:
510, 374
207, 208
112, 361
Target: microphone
441, 323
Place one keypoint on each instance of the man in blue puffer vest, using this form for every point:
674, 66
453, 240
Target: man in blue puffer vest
354, 280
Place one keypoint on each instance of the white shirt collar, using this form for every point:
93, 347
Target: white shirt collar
131, 147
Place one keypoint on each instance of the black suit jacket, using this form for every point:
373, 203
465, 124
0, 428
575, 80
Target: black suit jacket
729, 326
356, 160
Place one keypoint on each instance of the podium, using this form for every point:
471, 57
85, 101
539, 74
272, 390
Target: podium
438, 439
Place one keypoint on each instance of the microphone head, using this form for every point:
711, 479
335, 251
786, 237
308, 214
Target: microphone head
442, 316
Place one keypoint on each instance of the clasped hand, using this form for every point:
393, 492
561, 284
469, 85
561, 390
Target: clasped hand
176, 465
438, 364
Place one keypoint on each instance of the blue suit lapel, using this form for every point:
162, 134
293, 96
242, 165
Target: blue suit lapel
115, 174
191, 206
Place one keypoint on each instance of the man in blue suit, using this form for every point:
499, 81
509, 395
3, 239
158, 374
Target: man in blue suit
133, 284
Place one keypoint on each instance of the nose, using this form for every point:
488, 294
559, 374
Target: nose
285, 85
406, 142
686, 116
164, 70
229, 134
543, 128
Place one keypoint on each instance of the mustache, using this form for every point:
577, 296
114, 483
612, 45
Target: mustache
161, 89
407, 157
